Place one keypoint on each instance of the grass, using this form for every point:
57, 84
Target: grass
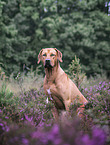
26, 118
22, 82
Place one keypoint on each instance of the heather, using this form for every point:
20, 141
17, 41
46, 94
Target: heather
26, 118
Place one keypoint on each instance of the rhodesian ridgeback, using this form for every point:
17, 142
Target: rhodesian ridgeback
57, 85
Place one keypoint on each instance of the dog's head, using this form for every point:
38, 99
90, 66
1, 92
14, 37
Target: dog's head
49, 57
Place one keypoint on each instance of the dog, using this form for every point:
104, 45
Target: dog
57, 85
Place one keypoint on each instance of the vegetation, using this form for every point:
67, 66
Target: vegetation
26, 118
75, 69
81, 27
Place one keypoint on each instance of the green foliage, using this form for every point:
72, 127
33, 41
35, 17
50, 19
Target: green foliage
75, 69
2, 75
6, 96
80, 27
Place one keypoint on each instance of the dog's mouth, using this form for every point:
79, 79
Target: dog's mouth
48, 66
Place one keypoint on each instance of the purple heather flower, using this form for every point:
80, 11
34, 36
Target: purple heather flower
6, 117
98, 136
21, 110
55, 129
1, 124
86, 140
109, 92
91, 89
25, 141
22, 118
86, 89
7, 128
28, 118
100, 83
36, 134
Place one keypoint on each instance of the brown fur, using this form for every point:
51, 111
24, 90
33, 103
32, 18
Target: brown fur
58, 85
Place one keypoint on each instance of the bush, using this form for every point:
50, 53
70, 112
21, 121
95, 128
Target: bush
6, 96
67, 134
26, 119
76, 70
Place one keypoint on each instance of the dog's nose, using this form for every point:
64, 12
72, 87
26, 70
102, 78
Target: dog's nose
47, 61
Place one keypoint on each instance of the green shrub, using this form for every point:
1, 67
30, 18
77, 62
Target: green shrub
6, 96
76, 71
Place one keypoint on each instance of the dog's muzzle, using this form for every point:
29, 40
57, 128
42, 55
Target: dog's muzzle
48, 63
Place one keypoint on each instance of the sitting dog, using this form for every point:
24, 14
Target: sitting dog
57, 84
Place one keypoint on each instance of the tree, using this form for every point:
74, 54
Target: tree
13, 49
85, 32
75, 70
79, 27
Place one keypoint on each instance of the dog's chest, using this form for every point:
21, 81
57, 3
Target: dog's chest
54, 94
49, 87
54, 88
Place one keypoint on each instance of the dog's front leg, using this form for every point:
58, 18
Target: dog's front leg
67, 104
55, 113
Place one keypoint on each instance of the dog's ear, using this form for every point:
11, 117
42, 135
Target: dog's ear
39, 56
59, 54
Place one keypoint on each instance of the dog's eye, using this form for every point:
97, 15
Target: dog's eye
44, 54
52, 54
